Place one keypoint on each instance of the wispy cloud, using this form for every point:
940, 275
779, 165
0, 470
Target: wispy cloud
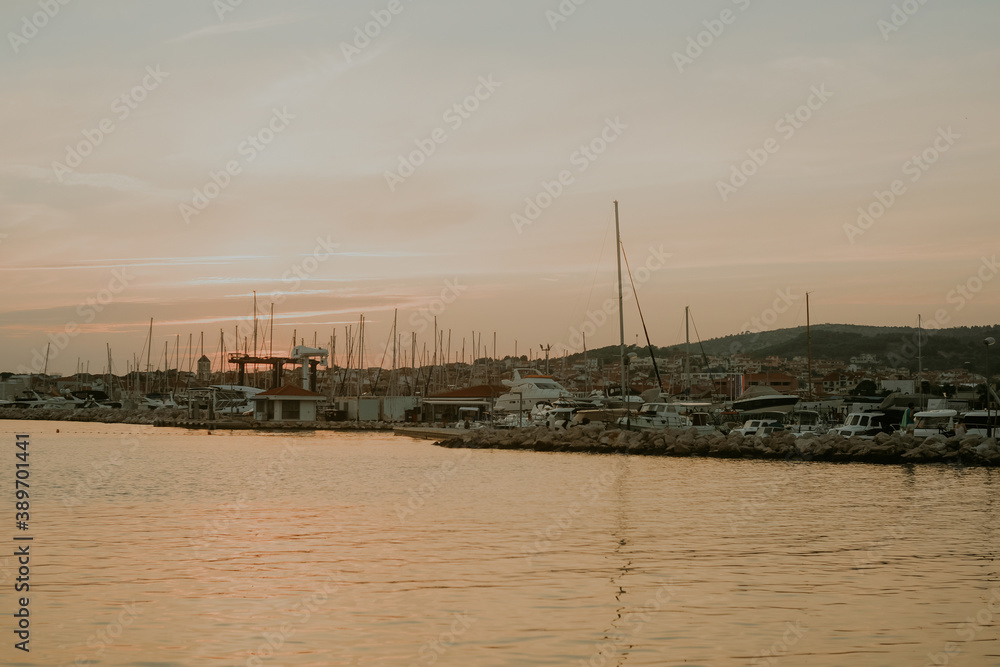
226, 28
132, 263
119, 182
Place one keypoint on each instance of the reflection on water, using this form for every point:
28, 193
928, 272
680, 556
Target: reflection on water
160, 547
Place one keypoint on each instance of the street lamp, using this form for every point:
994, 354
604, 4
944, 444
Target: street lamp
989, 423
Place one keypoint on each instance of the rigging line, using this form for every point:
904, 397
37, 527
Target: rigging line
704, 357
798, 314
678, 337
659, 381
378, 374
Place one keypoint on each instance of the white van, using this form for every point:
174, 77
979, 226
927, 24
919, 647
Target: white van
865, 424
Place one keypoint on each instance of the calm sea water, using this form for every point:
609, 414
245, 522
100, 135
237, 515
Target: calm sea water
163, 548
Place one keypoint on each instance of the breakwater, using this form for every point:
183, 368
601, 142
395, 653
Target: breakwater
971, 450
101, 415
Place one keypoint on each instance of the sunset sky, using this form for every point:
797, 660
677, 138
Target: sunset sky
165, 159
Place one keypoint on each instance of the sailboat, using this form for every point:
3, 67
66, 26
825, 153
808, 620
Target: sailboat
652, 415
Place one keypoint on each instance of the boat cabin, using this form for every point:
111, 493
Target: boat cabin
934, 422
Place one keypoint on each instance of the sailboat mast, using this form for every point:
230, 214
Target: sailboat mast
621, 301
809, 349
687, 349
920, 362
149, 349
110, 390
392, 376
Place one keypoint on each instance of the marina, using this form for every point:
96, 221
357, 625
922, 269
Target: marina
444, 334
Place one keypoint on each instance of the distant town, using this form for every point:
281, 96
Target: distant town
695, 371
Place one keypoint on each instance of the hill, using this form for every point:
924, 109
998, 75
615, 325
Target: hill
893, 346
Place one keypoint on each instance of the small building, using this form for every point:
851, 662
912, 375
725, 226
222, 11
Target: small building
288, 404
204, 369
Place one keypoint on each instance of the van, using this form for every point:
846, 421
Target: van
865, 424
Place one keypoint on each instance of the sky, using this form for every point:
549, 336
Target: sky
165, 160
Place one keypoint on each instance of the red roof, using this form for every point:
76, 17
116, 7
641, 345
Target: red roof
290, 390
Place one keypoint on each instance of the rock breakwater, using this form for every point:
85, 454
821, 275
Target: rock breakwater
970, 450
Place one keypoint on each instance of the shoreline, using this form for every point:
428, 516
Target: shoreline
176, 418
970, 450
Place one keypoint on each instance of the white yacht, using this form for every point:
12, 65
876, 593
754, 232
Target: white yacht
655, 416
529, 388
978, 422
764, 399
